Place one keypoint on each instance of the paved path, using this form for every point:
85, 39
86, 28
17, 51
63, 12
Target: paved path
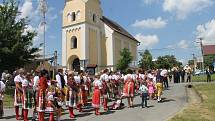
174, 100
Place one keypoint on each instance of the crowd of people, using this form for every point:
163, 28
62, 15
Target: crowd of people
75, 90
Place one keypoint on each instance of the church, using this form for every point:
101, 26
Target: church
91, 40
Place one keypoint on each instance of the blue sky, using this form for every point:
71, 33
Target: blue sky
157, 24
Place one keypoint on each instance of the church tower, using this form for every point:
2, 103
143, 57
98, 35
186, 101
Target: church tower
81, 33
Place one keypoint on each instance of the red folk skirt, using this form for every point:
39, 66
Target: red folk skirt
128, 90
82, 96
96, 98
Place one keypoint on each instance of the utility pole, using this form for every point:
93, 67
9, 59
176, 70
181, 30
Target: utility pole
201, 44
194, 62
55, 64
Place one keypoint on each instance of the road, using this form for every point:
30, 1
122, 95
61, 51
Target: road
174, 100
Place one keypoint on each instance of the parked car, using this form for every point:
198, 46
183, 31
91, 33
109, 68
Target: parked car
199, 72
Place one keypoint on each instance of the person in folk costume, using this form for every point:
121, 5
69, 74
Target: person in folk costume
2, 90
105, 79
27, 97
59, 100
97, 84
18, 92
110, 85
35, 93
150, 86
72, 94
139, 78
115, 85
61, 83
86, 88
82, 93
88, 83
50, 108
42, 88
51, 93
128, 90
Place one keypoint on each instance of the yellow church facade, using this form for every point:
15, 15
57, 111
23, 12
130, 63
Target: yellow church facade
90, 39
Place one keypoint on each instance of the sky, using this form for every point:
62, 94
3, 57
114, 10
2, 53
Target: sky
165, 27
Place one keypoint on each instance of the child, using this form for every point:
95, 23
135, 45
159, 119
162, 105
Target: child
159, 88
151, 88
50, 107
2, 89
144, 92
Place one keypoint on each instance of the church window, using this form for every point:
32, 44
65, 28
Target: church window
73, 16
78, 14
94, 17
74, 42
69, 17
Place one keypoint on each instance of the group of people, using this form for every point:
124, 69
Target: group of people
73, 90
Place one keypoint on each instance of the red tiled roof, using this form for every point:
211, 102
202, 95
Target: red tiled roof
208, 49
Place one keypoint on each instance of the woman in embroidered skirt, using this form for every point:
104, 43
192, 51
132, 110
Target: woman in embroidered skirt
42, 85
18, 93
128, 90
96, 94
27, 97
72, 94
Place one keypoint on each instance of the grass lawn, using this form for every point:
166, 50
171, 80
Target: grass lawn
204, 111
202, 78
8, 97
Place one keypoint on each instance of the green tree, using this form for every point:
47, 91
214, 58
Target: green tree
208, 60
146, 61
125, 60
167, 61
191, 62
15, 43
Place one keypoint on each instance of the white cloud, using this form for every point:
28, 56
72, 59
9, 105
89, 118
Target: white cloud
207, 32
183, 44
148, 2
32, 11
183, 8
150, 23
26, 9
146, 41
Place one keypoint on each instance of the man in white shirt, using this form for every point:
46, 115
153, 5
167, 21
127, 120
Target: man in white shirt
164, 75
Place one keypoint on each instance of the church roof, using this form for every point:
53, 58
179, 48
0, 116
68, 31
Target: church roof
117, 28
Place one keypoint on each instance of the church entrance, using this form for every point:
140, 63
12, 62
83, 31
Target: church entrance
76, 65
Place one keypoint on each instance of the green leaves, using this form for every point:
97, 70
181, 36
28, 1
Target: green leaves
125, 60
146, 61
15, 45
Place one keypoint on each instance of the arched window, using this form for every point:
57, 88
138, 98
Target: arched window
69, 17
73, 16
94, 17
74, 42
78, 14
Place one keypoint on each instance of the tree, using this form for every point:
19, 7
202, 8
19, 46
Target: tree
124, 60
208, 60
146, 61
15, 42
167, 61
191, 62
